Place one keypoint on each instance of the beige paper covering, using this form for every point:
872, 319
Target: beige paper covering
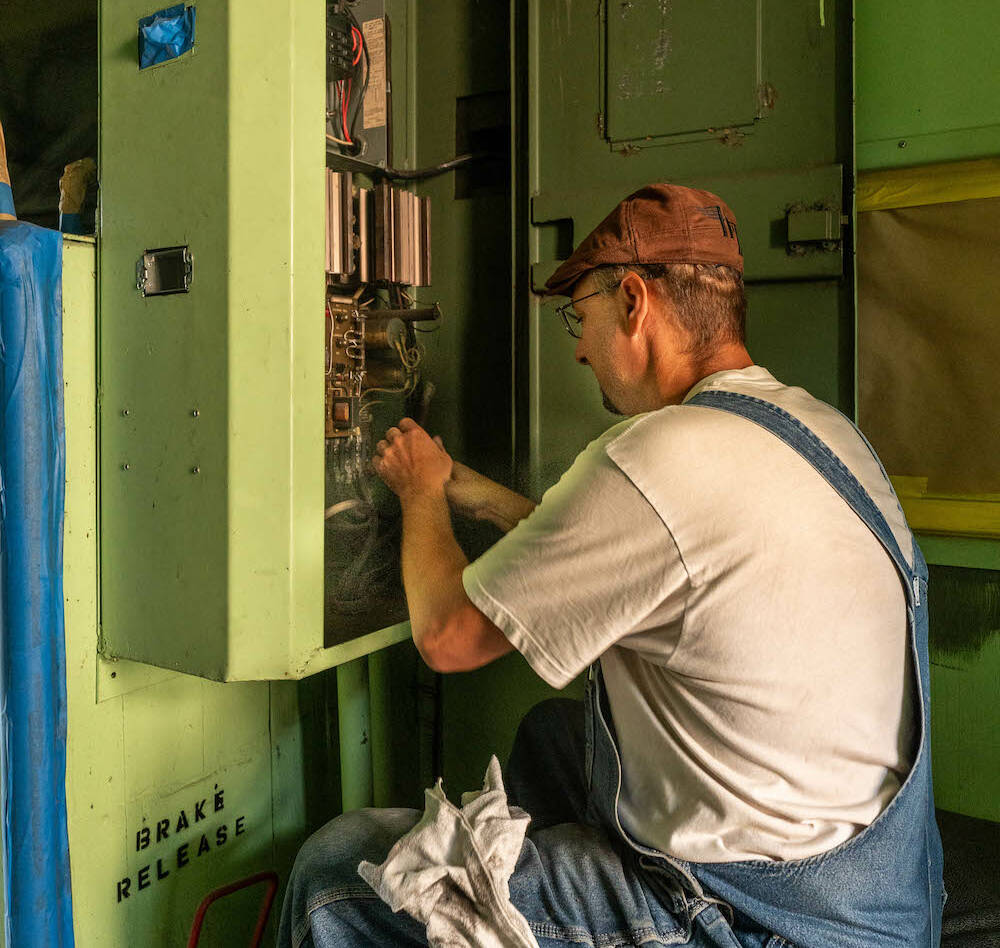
76, 176
929, 342
4, 173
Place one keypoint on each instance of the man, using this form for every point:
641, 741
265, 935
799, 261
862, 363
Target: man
733, 563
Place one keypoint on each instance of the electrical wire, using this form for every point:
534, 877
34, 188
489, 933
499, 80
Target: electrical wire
412, 301
355, 25
345, 100
356, 46
420, 174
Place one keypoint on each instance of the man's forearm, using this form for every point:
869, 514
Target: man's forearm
505, 508
450, 633
432, 566
474, 495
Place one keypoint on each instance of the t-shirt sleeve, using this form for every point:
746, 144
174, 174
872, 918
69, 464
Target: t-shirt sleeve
581, 572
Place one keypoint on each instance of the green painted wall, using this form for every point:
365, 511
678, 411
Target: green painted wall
928, 91
927, 84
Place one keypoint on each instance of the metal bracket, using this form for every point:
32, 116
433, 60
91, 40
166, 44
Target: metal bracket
164, 270
814, 228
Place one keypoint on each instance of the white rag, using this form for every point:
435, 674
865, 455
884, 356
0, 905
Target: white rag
451, 870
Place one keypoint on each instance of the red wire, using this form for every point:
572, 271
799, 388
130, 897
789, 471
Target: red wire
344, 100
358, 47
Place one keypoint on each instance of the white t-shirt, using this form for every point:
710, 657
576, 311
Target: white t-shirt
751, 629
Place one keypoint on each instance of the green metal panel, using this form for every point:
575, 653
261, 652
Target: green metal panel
928, 91
661, 83
143, 747
212, 400
928, 86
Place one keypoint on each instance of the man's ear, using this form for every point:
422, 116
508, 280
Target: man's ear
636, 302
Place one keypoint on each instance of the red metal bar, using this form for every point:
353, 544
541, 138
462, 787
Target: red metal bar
271, 878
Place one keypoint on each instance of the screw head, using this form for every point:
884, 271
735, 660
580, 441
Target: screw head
196, 470
195, 413
125, 411
902, 143
126, 466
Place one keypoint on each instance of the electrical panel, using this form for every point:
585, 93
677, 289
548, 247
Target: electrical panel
358, 90
259, 331
377, 251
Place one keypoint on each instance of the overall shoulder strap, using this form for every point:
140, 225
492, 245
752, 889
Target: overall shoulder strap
797, 436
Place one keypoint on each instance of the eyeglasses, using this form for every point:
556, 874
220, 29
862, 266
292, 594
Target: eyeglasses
570, 320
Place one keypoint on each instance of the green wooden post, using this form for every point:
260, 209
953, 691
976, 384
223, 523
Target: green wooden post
354, 717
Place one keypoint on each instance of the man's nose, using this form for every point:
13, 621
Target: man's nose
578, 354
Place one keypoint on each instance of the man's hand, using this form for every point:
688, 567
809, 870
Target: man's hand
448, 630
410, 462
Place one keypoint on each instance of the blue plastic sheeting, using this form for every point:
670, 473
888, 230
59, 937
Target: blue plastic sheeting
32, 645
165, 35
6, 198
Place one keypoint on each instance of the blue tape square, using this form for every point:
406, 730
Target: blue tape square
165, 35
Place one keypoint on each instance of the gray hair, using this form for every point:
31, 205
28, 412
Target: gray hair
709, 298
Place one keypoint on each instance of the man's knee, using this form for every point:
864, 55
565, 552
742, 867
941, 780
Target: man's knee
331, 855
326, 867
554, 730
552, 717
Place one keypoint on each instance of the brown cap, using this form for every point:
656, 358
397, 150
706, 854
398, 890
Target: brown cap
660, 223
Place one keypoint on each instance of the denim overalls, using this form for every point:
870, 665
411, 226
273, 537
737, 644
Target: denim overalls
882, 887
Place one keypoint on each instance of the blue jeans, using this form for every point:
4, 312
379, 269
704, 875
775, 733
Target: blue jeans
574, 884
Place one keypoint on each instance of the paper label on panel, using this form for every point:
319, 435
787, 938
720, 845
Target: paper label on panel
375, 97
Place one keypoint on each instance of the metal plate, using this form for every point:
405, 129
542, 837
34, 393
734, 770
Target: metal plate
164, 271
681, 68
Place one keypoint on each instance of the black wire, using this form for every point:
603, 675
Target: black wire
419, 174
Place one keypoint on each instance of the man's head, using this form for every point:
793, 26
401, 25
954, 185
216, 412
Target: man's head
656, 297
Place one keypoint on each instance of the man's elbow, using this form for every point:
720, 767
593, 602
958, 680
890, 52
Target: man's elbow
464, 641
428, 638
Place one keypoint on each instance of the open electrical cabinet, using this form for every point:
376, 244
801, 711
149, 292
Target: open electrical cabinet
259, 330
243, 533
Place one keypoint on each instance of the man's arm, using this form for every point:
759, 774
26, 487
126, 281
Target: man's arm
475, 496
450, 633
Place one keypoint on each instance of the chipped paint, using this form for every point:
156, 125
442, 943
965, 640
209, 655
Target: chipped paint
730, 137
629, 149
625, 6
625, 88
663, 47
767, 97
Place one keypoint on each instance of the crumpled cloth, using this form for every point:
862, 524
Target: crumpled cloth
451, 870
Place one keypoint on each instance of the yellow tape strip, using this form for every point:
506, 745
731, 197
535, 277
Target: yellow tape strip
928, 184
975, 515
